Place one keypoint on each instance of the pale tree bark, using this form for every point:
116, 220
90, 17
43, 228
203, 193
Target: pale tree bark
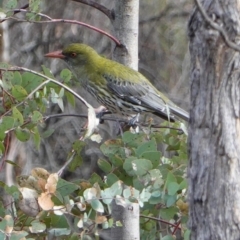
126, 30
214, 128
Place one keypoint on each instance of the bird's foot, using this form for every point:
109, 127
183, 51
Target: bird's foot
100, 112
133, 121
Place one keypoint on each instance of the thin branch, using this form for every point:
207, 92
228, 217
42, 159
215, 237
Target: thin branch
110, 119
41, 85
60, 171
51, 20
23, 7
217, 27
109, 13
160, 220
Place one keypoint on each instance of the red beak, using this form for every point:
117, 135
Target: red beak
56, 54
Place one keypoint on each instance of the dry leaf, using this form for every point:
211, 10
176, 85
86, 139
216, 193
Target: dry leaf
45, 201
100, 219
40, 173
51, 185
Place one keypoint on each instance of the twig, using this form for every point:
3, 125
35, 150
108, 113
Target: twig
109, 13
217, 27
60, 171
52, 20
160, 220
41, 85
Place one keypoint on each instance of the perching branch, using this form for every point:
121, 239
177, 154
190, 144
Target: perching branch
217, 27
114, 119
109, 13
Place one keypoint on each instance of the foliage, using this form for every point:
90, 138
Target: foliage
134, 169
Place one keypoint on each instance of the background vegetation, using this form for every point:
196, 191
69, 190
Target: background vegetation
106, 167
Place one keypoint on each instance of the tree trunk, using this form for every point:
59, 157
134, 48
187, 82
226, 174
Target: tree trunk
214, 139
126, 30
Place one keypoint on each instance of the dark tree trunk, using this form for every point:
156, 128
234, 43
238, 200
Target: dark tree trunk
214, 129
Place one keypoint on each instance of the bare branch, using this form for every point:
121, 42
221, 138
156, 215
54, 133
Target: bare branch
109, 13
217, 27
160, 220
51, 20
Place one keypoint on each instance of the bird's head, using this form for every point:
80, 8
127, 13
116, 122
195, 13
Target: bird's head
75, 54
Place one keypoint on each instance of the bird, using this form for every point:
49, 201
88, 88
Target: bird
119, 88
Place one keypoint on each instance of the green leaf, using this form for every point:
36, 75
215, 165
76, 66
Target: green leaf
13, 191
70, 98
172, 188
61, 93
65, 188
12, 163
2, 148
134, 140
34, 5
37, 226
117, 188
156, 197
138, 167
10, 4
7, 123
6, 81
111, 146
17, 79
58, 221
19, 92
60, 103
149, 146
111, 179
18, 235
153, 156
3, 225
66, 75
78, 145
107, 195
47, 72
187, 234
76, 162
104, 165
37, 117
47, 133
31, 81
2, 235
54, 96
168, 237
168, 213
170, 178
97, 205
36, 137
60, 231
18, 118
170, 200
116, 160
22, 134
95, 178
130, 192
183, 184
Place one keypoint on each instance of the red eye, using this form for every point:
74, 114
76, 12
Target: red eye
73, 55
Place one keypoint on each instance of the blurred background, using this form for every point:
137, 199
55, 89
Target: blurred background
163, 59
